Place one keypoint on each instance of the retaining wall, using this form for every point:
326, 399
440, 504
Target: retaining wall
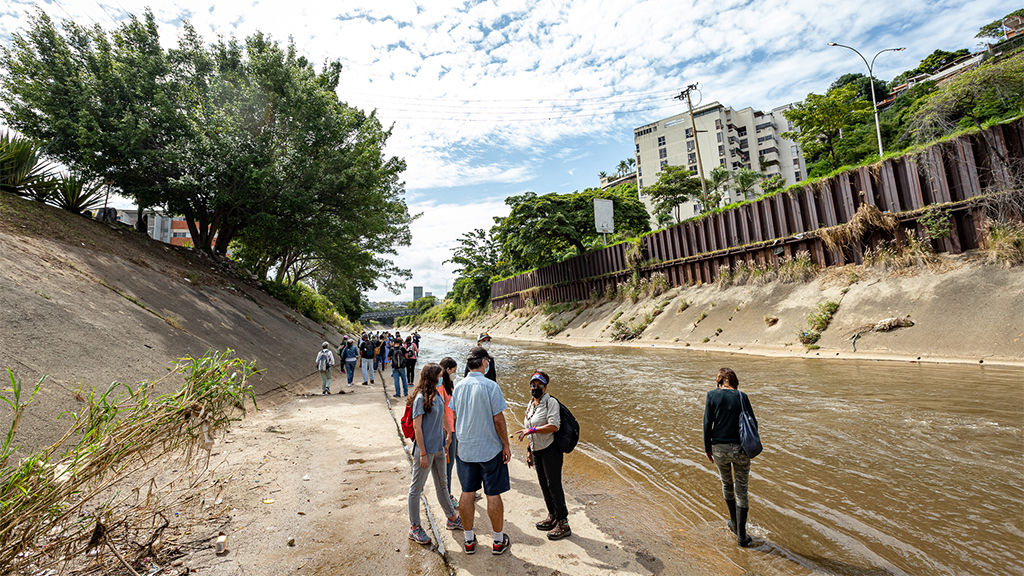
953, 173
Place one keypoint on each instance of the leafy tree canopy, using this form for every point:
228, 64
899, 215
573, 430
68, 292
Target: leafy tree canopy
932, 63
539, 230
995, 29
863, 84
676, 186
821, 119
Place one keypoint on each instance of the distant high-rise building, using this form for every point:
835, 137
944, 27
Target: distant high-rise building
734, 139
417, 292
428, 294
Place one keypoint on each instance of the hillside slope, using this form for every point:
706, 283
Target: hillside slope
86, 304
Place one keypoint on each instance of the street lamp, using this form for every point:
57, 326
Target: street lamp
871, 78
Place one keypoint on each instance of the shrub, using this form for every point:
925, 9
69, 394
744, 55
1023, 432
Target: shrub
808, 337
659, 283
1005, 242
822, 317
310, 304
771, 320
937, 223
684, 305
799, 268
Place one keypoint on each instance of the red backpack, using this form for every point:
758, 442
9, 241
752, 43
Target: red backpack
407, 428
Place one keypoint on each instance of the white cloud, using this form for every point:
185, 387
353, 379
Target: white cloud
434, 235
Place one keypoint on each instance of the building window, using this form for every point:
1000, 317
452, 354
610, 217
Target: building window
718, 124
790, 126
797, 176
721, 150
641, 181
743, 144
664, 163
661, 140
689, 132
721, 162
795, 151
637, 147
663, 153
760, 127
690, 145
719, 136
692, 157
693, 168
639, 171
741, 131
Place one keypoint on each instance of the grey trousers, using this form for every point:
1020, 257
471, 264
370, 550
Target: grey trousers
325, 380
734, 467
435, 465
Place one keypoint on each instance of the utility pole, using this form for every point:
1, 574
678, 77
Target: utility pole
696, 145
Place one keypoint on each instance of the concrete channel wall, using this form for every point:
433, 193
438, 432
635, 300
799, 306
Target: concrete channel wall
954, 174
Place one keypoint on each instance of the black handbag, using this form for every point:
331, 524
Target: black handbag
749, 438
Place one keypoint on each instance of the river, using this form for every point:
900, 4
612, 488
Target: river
869, 467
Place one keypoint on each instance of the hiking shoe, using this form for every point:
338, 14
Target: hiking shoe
547, 524
417, 535
349, 384
561, 531
396, 396
471, 546
325, 392
456, 525
502, 547
371, 382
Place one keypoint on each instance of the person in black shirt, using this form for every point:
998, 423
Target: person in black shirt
722, 446
484, 341
366, 348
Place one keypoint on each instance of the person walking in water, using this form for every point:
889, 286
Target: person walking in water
722, 446
324, 362
428, 452
543, 419
484, 452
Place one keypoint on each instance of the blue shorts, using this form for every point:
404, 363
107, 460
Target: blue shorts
493, 474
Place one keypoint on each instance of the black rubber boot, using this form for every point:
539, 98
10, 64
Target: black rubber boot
741, 527
732, 515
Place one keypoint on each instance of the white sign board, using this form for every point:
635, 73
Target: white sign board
604, 215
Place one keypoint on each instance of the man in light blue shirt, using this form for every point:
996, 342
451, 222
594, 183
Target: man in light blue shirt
483, 451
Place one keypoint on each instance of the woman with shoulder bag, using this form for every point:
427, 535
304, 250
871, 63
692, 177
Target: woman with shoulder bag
542, 420
722, 446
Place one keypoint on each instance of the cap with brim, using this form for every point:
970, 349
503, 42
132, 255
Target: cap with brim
482, 336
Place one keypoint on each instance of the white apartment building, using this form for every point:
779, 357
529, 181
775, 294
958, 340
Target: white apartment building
735, 139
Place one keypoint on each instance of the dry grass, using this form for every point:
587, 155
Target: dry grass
128, 462
867, 219
1004, 242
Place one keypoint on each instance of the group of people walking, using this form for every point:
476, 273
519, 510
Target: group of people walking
462, 425
375, 352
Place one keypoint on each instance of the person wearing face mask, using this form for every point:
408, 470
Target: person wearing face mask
445, 388
484, 341
542, 420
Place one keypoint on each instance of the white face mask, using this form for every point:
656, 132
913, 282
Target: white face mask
485, 345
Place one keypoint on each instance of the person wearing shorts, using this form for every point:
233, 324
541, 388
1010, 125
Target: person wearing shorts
483, 449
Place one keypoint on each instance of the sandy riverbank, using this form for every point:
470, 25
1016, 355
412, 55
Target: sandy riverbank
964, 311
350, 516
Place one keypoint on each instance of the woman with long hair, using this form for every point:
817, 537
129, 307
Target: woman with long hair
543, 419
722, 446
448, 368
428, 453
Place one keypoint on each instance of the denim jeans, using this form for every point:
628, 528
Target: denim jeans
367, 370
399, 374
350, 370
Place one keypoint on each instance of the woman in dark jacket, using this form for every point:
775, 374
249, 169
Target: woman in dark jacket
722, 446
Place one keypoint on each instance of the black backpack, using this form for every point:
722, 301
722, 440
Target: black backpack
568, 434
398, 357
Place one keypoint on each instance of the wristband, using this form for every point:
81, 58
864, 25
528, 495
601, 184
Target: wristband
533, 430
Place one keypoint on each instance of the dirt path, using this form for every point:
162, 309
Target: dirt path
332, 472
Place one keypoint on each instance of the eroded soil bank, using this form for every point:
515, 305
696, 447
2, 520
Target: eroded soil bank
963, 310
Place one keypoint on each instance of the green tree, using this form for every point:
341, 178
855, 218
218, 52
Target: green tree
822, 118
863, 84
773, 183
995, 29
478, 257
931, 63
542, 230
676, 186
746, 181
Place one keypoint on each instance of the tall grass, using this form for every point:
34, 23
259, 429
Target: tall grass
127, 458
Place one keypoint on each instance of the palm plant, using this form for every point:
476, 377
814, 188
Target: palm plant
77, 195
746, 179
623, 167
22, 168
630, 163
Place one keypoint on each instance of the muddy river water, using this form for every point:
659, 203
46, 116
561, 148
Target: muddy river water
869, 468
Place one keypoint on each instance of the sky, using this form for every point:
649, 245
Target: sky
488, 99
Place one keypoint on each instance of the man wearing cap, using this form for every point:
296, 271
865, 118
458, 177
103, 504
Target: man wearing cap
324, 362
484, 341
483, 451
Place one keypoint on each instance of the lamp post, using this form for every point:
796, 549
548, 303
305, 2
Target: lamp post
871, 78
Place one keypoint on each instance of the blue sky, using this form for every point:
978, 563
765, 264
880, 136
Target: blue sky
490, 99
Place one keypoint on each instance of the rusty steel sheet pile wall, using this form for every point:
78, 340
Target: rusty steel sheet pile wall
950, 173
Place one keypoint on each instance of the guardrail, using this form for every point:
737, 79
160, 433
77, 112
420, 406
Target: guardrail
949, 173
387, 314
